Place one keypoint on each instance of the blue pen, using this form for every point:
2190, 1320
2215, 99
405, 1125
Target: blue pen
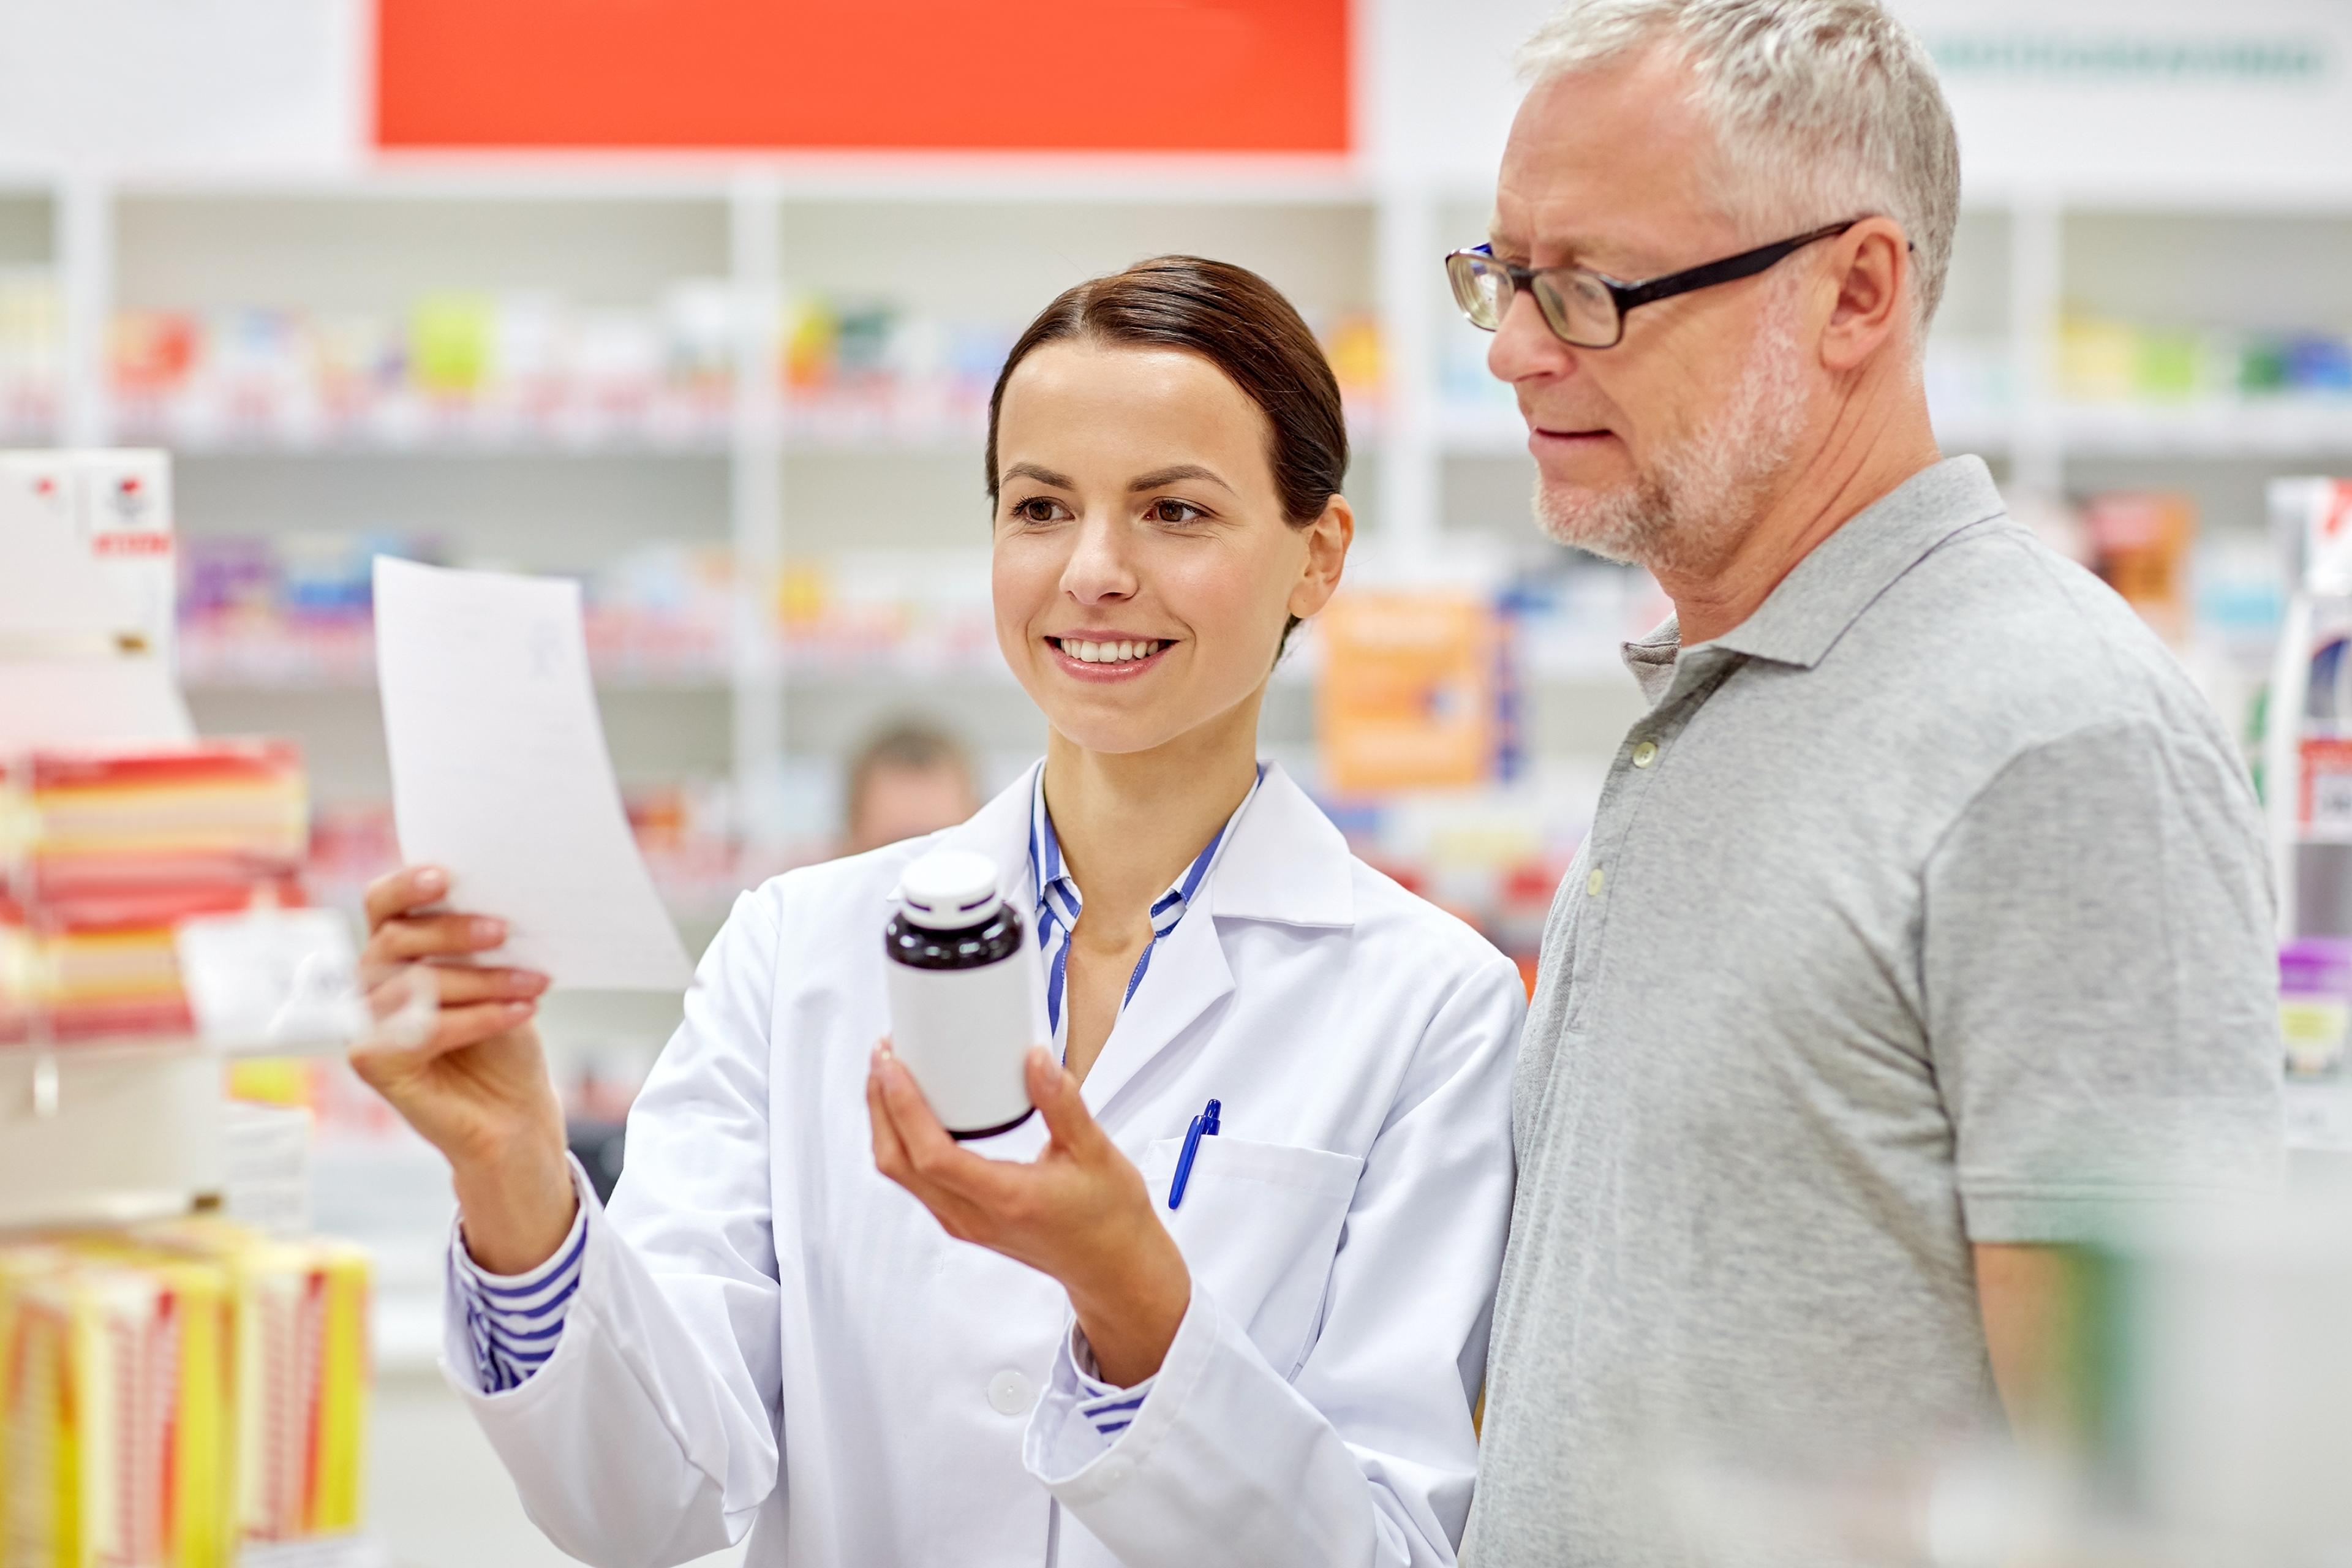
1204, 1125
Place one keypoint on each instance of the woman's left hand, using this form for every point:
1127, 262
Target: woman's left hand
1078, 1211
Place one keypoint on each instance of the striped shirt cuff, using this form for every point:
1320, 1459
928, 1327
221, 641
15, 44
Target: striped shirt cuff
514, 1320
1106, 1408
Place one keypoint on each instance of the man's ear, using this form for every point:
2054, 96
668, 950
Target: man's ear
1874, 278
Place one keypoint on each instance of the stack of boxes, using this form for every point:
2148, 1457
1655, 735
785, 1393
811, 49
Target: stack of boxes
170, 1395
109, 852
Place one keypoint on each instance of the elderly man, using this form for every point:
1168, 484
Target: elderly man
1924, 922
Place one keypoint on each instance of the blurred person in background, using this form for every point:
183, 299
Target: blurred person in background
781, 1324
909, 779
1924, 926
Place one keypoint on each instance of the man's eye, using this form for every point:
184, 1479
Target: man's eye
1176, 511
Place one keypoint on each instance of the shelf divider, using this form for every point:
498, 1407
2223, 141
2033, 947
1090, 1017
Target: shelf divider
756, 506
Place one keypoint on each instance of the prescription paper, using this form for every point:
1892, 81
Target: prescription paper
500, 777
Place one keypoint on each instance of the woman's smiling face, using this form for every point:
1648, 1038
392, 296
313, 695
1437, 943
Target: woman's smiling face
1143, 570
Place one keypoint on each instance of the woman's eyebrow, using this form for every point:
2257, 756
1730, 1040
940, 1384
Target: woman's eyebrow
1169, 475
1045, 477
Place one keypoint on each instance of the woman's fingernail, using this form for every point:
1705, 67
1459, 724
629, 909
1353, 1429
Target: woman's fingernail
489, 929
431, 880
517, 1010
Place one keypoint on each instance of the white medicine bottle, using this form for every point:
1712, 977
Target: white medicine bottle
963, 992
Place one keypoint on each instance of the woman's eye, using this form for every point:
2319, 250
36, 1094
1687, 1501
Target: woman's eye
1176, 511
1036, 509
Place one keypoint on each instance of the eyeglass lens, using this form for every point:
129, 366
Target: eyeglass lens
1574, 305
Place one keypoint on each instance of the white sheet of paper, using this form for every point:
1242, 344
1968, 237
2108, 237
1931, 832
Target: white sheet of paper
500, 774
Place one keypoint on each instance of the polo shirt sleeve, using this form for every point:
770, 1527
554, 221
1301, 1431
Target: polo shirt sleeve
2099, 977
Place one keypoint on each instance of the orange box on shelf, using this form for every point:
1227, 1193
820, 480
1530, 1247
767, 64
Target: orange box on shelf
1406, 695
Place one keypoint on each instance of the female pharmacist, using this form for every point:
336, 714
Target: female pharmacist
783, 1321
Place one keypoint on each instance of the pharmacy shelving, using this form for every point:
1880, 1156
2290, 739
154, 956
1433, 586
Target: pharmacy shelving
769, 472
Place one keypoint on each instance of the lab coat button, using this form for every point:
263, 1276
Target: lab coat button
1011, 1394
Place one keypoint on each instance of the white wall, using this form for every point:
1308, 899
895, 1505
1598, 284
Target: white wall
2035, 119
221, 85
206, 85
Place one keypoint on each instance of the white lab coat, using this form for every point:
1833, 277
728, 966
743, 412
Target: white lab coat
770, 1333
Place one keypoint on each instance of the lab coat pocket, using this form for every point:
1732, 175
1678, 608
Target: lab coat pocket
1259, 1227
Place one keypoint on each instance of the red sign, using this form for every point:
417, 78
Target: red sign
1201, 75
131, 543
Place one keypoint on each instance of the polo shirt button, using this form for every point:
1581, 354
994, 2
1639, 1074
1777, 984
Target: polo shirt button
1595, 882
1645, 753
1011, 1394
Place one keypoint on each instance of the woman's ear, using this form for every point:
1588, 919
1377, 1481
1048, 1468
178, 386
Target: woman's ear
1328, 538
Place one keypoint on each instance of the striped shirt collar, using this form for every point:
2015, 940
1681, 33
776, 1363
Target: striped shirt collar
1058, 900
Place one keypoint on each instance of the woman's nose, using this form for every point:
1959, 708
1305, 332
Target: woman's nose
1099, 568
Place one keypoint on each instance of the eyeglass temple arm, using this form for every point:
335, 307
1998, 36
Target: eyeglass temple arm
1746, 264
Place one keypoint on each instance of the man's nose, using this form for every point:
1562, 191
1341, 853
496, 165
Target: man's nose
1099, 568
1525, 345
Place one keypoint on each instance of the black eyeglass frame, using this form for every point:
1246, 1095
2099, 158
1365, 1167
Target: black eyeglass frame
1630, 296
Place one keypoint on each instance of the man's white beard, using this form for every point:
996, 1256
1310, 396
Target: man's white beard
1689, 506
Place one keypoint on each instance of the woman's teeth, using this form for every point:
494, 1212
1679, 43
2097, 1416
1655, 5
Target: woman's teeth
1108, 652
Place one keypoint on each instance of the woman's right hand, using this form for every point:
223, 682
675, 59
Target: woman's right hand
476, 1086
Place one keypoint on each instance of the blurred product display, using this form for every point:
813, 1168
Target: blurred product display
2106, 360
112, 853
31, 352
854, 367
461, 365
176, 1385
739, 393
454, 364
294, 609
171, 1392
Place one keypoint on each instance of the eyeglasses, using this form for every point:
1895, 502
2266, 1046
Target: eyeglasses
1586, 309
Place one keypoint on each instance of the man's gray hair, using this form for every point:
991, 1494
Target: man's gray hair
1824, 109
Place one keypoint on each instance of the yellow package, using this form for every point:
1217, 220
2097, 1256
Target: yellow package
30, 1361
117, 1411
303, 1375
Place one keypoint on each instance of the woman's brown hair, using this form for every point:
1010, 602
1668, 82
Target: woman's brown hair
1237, 321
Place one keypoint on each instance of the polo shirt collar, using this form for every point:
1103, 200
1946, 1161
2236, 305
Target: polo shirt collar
1803, 619
1827, 592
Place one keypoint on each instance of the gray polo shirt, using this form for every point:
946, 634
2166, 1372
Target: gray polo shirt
1927, 908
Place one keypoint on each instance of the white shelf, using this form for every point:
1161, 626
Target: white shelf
437, 437
946, 178
2319, 1114
2282, 428
328, 1552
2285, 427
202, 681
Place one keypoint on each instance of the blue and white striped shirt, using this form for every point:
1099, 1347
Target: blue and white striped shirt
514, 1321
1107, 1407
1059, 904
